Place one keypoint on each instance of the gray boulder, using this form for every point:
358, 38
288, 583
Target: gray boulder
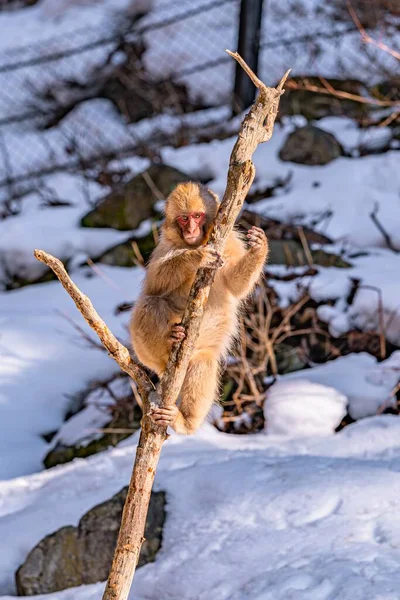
133, 202
291, 253
62, 454
53, 565
80, 555
310, 145
123, 255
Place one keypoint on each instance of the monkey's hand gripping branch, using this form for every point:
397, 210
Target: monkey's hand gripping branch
256, 128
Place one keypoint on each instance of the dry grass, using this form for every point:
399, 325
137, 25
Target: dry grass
275, 340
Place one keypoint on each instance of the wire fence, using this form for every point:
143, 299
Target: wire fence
82, 95
105, 91
169, 43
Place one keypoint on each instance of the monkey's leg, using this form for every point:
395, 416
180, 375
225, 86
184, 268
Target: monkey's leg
153, 331
198, 392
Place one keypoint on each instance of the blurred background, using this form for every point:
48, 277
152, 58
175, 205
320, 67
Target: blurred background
76, 76
105, 105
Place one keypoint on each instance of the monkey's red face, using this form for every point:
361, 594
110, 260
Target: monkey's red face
191, 226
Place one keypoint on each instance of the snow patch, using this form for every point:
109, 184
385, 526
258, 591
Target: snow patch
366, 382
302, 408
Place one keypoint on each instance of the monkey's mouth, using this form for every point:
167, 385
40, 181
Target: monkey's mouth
192, 239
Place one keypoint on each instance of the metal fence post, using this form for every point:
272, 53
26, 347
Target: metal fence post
248, 48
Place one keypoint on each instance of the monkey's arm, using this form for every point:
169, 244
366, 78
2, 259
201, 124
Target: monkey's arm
155, 319
175, 268
243, 270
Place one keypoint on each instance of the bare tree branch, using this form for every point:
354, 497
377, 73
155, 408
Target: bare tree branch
256, 128
115, 349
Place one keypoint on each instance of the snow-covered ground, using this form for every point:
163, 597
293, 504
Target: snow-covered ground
248, 517
295, 512
44, 360
349, 187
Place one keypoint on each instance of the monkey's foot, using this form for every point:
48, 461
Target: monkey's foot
177, 334
211, 259
256, 238
164, 416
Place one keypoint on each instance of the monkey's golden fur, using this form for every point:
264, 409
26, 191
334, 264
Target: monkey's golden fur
170, 274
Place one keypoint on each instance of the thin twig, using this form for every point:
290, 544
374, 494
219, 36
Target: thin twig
114, 430
305, 245
390, 119
84, 335
331, 91
138, 260
386, 236
102, 274
366, 37
152, 186
381, 320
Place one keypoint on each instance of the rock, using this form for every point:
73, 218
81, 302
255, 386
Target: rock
285, 247
41, 572
278, 230
98, 532
227, 389
16, 271
123, 255
141, 99
286, 252
127, 84
133, 90
107, 404
126, 207
313, 105
62, 453
289, 359
22, 4
310, 145
291, 253
80, 555
16, 281
326, 259
389, 89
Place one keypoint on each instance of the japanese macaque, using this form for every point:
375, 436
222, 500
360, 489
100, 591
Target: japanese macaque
155, 325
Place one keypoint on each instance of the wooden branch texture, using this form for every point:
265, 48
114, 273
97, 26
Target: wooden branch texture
256, 128
115, 349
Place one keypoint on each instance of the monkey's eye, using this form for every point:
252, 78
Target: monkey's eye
197, 216
184, 218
